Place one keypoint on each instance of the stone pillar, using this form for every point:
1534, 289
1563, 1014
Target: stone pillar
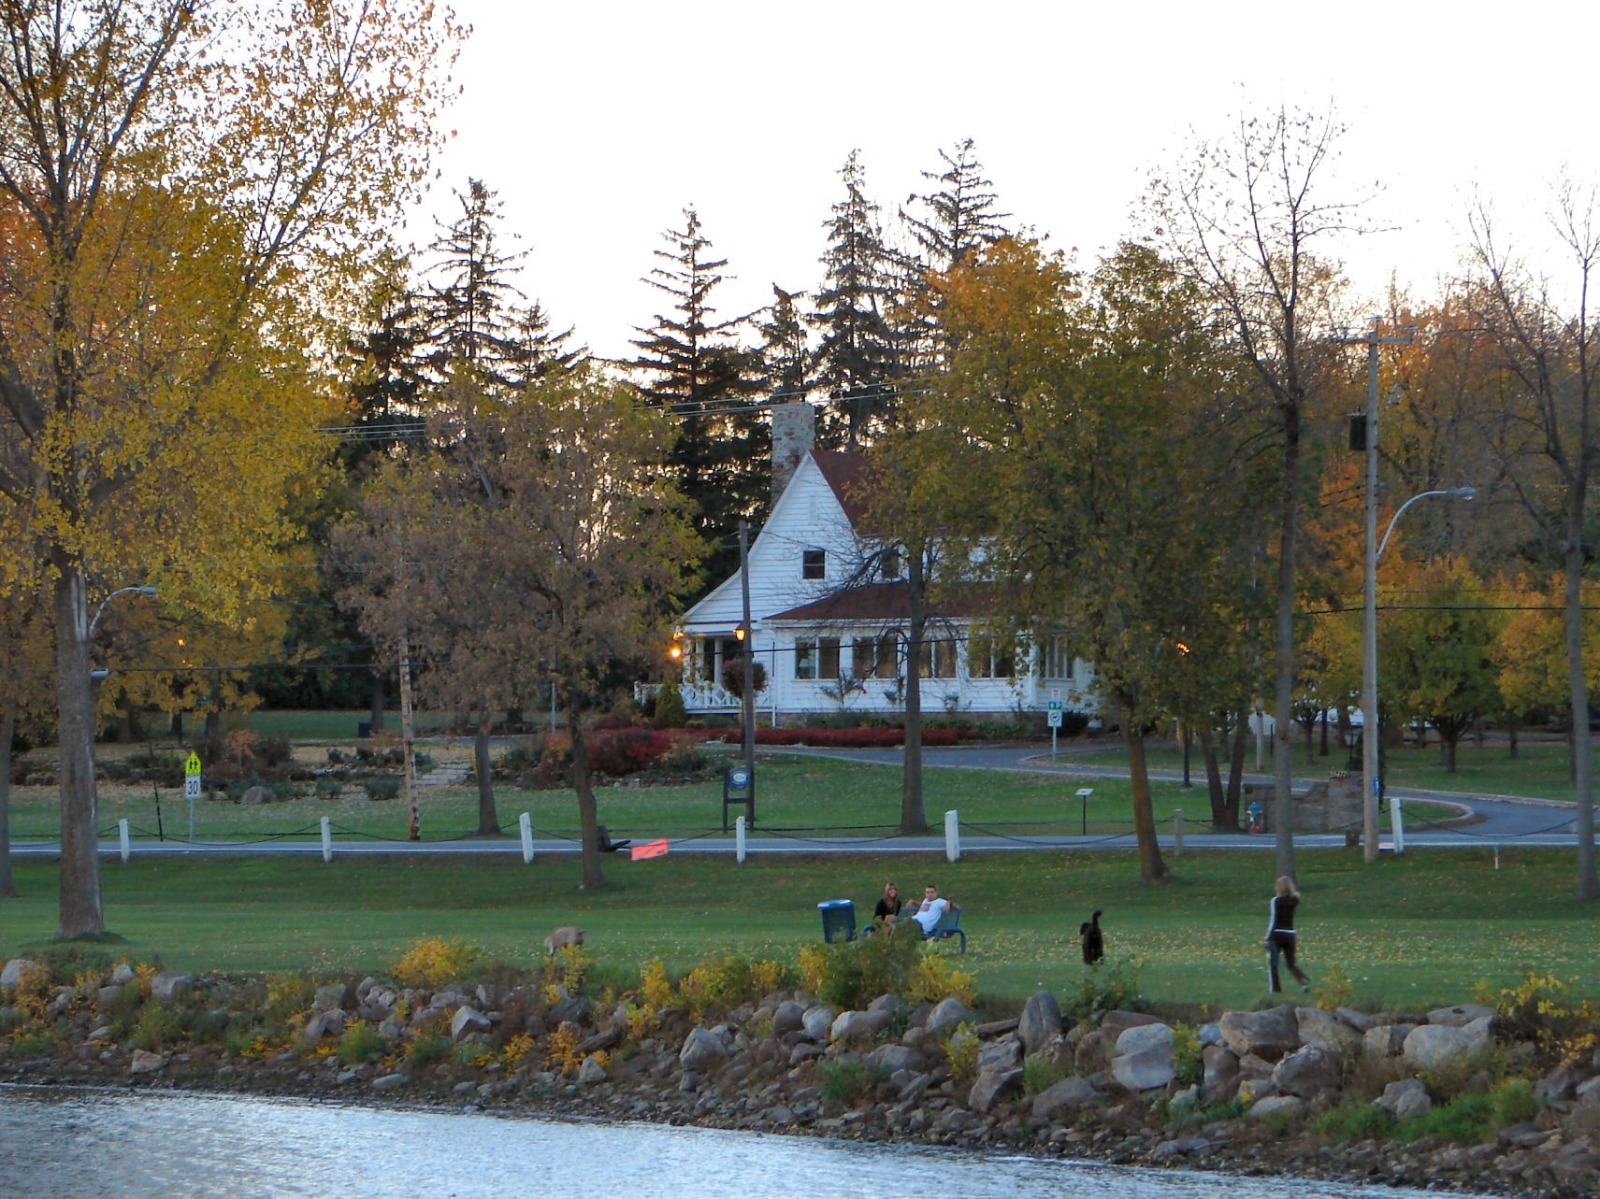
793, 434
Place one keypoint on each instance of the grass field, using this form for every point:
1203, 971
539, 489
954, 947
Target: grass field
795, 793
1410, 932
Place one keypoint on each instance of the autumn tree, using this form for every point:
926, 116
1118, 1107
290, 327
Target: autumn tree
1548, 431
1436, 646
556, 557
1245, 221
691, 364
179, 185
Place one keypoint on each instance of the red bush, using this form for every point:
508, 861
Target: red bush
627, 751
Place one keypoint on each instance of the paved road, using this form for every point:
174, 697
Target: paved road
1484, 822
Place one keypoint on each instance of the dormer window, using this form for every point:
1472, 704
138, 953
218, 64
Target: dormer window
891, 562
814, 564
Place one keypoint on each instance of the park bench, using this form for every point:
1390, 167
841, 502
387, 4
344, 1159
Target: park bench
949, 926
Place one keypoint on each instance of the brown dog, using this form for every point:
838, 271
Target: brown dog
561, 938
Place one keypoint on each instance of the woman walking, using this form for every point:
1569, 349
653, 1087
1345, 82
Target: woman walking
1281, 935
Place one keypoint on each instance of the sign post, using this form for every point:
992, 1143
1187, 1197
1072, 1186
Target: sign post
1083, 795
191, 786
1053, 710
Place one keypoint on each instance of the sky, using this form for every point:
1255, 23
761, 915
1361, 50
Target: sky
599, 122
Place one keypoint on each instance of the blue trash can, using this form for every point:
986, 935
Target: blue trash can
838, 920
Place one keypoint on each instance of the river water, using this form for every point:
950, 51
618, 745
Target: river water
118, 1145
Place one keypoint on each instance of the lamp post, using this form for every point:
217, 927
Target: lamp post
1370, 782
96, 676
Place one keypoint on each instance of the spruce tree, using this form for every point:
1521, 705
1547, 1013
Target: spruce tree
956, 223
692, 365
785, 354
859, 358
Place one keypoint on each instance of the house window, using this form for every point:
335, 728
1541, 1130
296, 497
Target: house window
1055, 658
991, 658
817, 659
890, 562
876, 657
938, 658
814, 564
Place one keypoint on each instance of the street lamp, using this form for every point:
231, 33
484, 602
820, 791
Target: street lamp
1370, 781
100, 675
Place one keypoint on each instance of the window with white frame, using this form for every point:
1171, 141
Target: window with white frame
938, 659
814, 564
991, 658
1055, 658
816, 658
876, 657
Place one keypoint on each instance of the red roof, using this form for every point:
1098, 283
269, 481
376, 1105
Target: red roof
847, 475
885, 602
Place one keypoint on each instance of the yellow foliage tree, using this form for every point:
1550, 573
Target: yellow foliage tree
181, 181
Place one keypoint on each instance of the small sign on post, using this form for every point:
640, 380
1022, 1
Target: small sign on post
1053, 712
191, 777
739, 787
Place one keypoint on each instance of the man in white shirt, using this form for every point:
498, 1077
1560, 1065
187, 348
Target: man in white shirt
930, 910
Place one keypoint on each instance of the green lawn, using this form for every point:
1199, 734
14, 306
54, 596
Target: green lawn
1410, 932
1539, 771
796, 794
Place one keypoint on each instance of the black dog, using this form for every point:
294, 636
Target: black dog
1094, 945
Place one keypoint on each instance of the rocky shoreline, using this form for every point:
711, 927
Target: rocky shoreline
1291, 1090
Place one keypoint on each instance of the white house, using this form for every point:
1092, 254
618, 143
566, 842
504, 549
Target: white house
830, 634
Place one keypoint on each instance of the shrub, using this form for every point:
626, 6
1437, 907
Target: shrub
627, 751
1354, 1120
853, 973
655, 987
433, 961
847, 1082
1187, 1054
1539, 1010
937, 977
159, 1025
288, 994
360, 1042
962, 1049
670, 712
1040, 1073
1465, 1120
1109, 988
1335, 990
428, 1049
381, 787
733, 677
569, 966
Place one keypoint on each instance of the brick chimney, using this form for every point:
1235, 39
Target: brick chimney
793, 434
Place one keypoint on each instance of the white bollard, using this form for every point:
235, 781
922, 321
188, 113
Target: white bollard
738, 839
122, 828
327, 840
1177, 832
1398, 818
525, 823
952, 836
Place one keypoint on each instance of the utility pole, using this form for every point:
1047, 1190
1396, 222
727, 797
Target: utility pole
1370, 782
747, 696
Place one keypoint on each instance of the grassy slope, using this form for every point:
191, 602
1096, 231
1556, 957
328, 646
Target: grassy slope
1411, 932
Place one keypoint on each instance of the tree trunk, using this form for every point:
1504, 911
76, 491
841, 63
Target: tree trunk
1447, 749
488, 818
1511, 735
1219, 799
588, 810
1241, 747
175, 727
1583, 777
81, 911
913, 816
1283, 690
407, 741
8, 733
1151, 867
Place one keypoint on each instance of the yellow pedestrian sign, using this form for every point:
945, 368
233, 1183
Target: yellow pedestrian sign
191, 777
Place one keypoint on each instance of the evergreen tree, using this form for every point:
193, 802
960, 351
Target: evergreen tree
859, 358
785, 355
693, 366
386, 368
477, 315
958, 222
